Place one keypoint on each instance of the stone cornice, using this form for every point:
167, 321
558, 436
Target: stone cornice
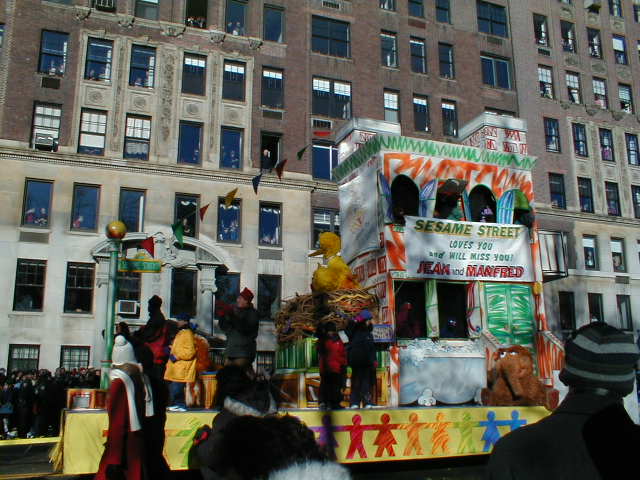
174, 170
587, 217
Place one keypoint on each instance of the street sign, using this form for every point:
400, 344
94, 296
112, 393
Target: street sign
137, 265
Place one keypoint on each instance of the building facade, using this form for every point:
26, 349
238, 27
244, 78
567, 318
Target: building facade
149, 110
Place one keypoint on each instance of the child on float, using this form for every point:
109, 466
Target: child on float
361, 355
332, 359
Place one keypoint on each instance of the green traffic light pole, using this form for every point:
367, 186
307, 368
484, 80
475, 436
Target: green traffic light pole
115, 232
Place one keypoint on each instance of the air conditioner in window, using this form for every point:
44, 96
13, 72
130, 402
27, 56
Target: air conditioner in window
323, 124
127, 307
105, 4
45, 142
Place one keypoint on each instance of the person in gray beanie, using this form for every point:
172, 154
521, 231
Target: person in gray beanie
590, 435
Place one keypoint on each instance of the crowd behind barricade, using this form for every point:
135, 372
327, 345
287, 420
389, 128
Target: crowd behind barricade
31, 401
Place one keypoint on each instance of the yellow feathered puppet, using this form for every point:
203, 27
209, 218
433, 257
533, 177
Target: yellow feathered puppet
336, 275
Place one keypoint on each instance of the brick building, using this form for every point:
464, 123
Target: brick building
147, 110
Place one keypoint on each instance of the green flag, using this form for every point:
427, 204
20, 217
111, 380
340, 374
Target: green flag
178, 232
301, 152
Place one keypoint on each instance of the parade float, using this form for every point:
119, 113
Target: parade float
439, 242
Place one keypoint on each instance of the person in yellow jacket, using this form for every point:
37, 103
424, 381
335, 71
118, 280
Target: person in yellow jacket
181, 367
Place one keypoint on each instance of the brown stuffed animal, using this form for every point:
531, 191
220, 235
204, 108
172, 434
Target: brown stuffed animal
512, 382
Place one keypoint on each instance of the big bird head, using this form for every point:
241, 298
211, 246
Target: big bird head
329, 245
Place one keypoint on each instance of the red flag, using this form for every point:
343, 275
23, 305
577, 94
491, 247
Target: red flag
203, 210
149, 245
321, 133
280, 168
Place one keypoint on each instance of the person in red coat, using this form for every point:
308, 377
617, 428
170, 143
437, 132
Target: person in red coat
332, 359
130, 402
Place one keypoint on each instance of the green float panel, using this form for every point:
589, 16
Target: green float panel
510, 313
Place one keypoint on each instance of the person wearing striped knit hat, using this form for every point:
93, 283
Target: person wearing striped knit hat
590, 435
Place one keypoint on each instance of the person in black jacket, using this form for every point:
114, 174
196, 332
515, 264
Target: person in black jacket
590, 435
361, 355
240, 324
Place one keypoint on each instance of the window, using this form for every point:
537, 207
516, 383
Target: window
269, 150
606, 145
194, 74
391, 107
99, 57
143, 66
184, 292
445, 55
613, 199
567, 307
540, 30
635, 199
228, 285
495, 72
93, 132
624, 312
620, 50
128, 286
492, 18
568, 35
595, 44
600, 93
23, 357
590, 248
416, 8
585, 193
556, 190
137, 137
190, 143
443, 11
595, 307
324, 220
420, 113
545, 81
233, 81
388, 4
573, 87
272, 88
552, 134
229, 221
636, 13
37, 203
147, 9
74, 357
330, 37
449, 119
418, 55
131, 210
626, 99
270, 225
617, 255
46, 126
615, 8
85, 207
53, 52
331, 98
269, 292
28, 295
236, 17
231, 148
389, 49
324, 159
580, 139
633, 154
186, 209
195, 14
78, 293
1, 35
273, 26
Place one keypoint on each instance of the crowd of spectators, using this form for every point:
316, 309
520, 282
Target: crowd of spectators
31, 401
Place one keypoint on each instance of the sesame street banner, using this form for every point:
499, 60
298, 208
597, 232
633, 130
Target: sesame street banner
453, 250
357, 435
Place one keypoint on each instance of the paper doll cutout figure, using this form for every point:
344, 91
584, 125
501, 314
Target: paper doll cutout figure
516, 421
491, 434
356, 432
466, 444
413, 435
440, 438
385, 439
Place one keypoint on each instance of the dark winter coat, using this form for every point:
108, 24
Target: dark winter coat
332, 355
361, 350
241, 327
587, 437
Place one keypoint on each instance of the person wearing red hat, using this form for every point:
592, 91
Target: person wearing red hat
240, 323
